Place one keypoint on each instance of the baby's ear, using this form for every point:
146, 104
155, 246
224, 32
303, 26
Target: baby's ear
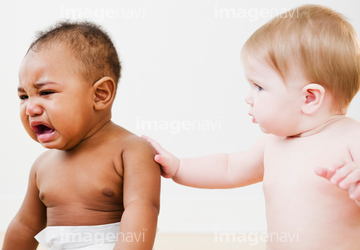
313, 95
104, 90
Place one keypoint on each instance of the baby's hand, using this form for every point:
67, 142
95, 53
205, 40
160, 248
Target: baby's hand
345, 176
169, 163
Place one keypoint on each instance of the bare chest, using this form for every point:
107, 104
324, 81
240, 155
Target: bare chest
300, 202
87, 181
289, 166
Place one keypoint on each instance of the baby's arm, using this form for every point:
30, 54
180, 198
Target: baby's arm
30, 219
141, 196
214, 171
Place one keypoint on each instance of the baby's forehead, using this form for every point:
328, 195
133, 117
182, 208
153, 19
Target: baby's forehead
50, 60
52, 47
57, 51
254, 62
256, 68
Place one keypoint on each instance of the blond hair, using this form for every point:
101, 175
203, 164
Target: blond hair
319, 41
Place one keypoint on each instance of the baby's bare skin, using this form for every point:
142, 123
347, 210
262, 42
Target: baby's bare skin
306, 141
61, 176
85, 186
310, 160
95, 172
312, 212
303, 210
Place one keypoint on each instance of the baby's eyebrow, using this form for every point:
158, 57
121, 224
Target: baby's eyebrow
37, 85
250, 79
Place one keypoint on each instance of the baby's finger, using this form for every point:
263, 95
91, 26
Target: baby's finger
354, 191
166, 164
164, 174
323, 172
160, 159
150, 140
341, 173
145, 137
164, 161
352, 178
339, 164
155, 144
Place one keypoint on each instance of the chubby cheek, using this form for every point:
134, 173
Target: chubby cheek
265, 122
72, 120
262, 110
266, 116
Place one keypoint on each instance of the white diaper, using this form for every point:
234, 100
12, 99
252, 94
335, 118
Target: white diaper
101, 237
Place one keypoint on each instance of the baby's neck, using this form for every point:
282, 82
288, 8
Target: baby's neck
97, 134
320, 127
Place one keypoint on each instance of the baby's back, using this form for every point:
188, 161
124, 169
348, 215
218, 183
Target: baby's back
305, 211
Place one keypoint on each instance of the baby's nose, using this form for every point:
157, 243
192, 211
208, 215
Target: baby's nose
33, 109
249, 99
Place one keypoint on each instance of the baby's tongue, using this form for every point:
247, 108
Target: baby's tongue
45, 130
45, 134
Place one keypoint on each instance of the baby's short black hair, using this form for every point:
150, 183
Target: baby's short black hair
90, 45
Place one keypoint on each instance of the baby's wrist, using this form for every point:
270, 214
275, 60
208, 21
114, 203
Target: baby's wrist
177, 167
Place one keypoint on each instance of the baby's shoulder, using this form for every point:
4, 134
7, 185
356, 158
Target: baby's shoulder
136, 152
128, 141
137, 144
351, 131
45, 158
349, 128
351, 122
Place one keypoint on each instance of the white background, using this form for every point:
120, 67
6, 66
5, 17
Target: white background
181, 74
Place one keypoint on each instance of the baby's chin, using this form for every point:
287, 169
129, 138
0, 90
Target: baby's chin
56, 144
264, 130
274, 132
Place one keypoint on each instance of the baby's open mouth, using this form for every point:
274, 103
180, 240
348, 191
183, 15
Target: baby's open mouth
43, 129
